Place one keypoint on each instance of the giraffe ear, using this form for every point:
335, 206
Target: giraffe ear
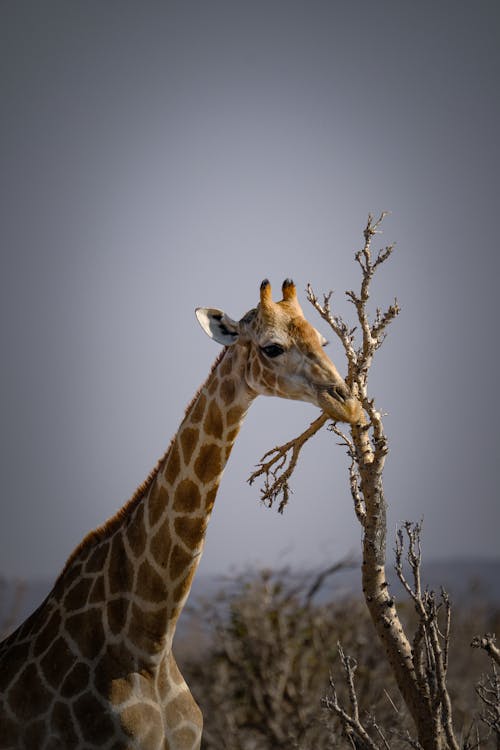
219, 326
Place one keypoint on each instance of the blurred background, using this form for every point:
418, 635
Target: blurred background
159, 156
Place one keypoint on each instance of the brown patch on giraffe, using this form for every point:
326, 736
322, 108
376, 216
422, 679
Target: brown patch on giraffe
189, 440
173, 465
187, 497
46, 634
233, 416
120, 568
256, 369
153, 737
121, 691
190, 530
160, 545
87, 631
227, 391
212, 386
98, 593
57, 661
213, 424
179, 561
34, 735
269, 378
95, 723
61, 723
147, 630
97, 560
151, 585
158, 501
136, 531
134, 718
208, 465
182, 708
117, 614
226, 366
77, 596
76, 681
198, 409
28, 696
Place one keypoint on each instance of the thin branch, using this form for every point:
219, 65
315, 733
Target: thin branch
277, 472
354, 478
350, 721
336, 323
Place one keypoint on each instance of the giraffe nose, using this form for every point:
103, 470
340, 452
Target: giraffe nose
339, 392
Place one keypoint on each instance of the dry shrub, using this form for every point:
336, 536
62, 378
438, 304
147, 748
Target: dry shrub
264, 664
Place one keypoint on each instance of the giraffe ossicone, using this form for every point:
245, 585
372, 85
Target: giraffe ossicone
93, 666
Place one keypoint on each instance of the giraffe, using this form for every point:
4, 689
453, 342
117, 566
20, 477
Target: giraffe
93, 666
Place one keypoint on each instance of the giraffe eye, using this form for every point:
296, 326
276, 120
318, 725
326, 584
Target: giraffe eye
273, 350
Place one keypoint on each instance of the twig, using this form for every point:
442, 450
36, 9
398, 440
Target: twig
276, 472
351, 723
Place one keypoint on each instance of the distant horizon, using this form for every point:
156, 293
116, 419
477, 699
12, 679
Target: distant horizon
232, 573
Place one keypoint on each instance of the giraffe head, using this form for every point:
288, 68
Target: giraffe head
284, 353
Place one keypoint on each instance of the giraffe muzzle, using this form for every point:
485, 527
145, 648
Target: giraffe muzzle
339, 393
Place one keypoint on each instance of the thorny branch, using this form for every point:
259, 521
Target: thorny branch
430, 643
351, 724
278, 464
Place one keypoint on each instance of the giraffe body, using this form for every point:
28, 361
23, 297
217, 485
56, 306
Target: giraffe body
93, 666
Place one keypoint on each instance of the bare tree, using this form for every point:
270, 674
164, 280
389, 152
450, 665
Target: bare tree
419, 663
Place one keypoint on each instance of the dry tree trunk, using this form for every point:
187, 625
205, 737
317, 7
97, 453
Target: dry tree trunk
419, 666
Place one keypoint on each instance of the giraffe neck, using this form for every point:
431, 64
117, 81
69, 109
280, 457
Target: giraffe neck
179, 502
140, 565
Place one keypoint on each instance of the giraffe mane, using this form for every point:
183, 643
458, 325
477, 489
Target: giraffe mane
108, 528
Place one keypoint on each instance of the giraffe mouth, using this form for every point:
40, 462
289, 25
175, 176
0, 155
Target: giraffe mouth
339, 393
339, 404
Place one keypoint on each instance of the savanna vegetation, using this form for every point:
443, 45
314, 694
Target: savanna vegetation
269, 661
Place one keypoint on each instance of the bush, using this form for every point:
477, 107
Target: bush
268, 653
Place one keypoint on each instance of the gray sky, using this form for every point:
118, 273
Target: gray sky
158, 156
